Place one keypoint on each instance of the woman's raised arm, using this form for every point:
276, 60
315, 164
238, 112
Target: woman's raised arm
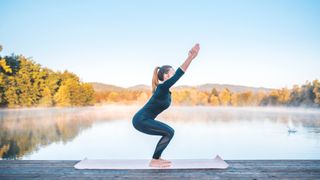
192, 54
180, 71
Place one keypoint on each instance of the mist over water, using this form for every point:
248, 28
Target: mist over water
200, 132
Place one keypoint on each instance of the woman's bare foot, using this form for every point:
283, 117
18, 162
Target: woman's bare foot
164, 160
158, 163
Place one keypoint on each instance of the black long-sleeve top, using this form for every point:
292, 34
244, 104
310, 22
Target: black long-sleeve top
161, 98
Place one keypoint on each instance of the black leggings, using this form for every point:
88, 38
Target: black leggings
154, 127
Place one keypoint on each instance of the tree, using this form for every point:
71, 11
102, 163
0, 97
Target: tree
213, 98
26, 79
10, 95
76, 95
225, 97
46, 99
307, 94
283, 96
63, 97
316, 91
4, 68
143, 97
88, 94
295, 96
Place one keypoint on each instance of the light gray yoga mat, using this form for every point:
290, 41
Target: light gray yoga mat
216, 163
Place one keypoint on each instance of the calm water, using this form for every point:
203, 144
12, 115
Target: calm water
200, 132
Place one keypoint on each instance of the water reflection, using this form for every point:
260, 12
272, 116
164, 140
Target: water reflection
106, 132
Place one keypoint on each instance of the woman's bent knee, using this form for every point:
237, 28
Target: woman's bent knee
171, 133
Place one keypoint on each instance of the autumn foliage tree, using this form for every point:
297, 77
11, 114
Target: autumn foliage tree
24, 83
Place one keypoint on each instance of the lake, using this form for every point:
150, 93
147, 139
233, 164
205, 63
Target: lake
200, 132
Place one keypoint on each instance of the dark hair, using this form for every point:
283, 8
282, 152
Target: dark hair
158, 73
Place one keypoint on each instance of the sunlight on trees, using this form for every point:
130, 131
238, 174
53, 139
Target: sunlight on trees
24, 83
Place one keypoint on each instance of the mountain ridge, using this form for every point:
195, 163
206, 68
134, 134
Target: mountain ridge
207, 87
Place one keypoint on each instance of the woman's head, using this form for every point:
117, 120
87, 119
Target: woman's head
161, 73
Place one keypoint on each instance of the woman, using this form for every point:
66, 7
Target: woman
144, 120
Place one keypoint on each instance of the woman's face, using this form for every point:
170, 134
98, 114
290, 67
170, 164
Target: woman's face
168, 75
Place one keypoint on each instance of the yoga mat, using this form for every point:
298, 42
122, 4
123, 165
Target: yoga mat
216, 163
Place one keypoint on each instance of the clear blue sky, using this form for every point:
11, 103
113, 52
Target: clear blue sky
254, 43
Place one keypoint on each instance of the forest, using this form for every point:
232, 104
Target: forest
25, 83
306, 95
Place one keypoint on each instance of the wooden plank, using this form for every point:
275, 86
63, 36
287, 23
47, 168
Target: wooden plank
239, 169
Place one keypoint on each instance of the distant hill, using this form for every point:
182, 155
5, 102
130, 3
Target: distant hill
140, 87
98, 87
233, 88
205, 87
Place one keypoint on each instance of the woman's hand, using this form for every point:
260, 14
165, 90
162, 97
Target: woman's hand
192, 54
194, 51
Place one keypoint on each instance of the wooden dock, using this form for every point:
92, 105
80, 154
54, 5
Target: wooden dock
238, 169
